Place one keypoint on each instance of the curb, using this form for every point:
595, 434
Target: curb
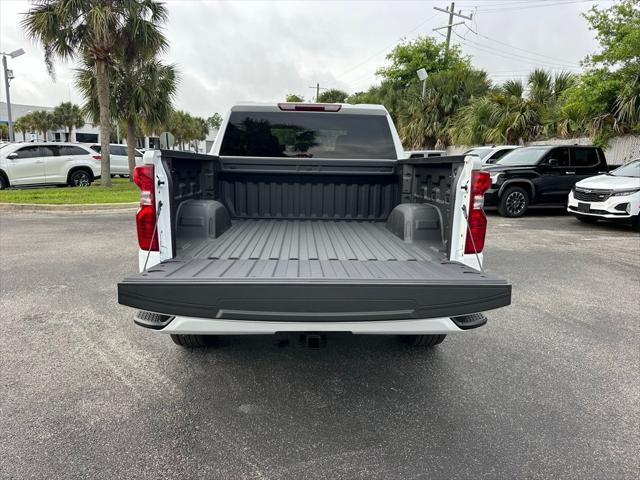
80, 207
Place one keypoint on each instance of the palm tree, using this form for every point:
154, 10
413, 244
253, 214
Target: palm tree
142, 95
512, 113
425, 122
23, 124
43, 122
69, 116
100, 30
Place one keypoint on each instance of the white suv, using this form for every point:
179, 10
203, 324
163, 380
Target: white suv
119, 158
614, 196
43, 163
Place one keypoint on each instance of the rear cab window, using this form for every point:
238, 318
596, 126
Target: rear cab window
500, 153
308, 135
585, 157
561, 155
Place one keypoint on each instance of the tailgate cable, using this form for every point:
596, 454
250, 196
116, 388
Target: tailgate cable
153, 235
473, 243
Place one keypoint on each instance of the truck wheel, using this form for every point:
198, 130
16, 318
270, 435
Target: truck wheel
3, 182
193, 341
587, 219
514, 202
422, 340
80, 178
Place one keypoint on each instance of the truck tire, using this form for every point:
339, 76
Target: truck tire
193, 341
514, 202
80, 178
587, 219
3, 182
422, 340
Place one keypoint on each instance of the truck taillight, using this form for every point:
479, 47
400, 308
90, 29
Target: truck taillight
309, 107
143, 177
477, 221
97, 157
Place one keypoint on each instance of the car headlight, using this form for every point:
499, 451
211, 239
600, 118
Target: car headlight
622, 193
495, 177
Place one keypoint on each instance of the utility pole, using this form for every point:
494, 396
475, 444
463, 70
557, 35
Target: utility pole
449, 27
317, 89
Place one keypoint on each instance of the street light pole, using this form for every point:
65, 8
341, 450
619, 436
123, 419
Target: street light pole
7, 78
6, 89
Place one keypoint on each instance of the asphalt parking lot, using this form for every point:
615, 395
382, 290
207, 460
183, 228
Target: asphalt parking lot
549, 388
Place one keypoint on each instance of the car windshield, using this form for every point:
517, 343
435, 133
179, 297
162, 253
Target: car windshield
629, 170
481, 152
523, 156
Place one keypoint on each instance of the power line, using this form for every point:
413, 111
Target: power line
518, 48
527, 7
368, 59
509, 55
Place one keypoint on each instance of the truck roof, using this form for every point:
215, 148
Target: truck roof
361, 109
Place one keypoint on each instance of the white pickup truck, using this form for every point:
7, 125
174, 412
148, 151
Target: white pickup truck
307, 218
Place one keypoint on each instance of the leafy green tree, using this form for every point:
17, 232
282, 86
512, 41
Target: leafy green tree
4, 131
141, 96
424, 52
606, 99
103, 31
69, 116
214, 121
292, 97
333, 95
618, 31
370, 96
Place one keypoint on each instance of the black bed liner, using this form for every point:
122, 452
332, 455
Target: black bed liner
312, 270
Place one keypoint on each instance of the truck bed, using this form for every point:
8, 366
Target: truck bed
262, 269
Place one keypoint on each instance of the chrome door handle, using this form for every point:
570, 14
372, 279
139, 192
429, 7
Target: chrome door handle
570, 173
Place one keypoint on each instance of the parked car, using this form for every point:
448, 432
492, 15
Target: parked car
540, 176
118, 158
491, 154
614, 196
43, 163
425, 153
330, 229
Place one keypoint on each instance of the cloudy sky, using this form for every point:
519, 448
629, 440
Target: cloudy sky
248, 50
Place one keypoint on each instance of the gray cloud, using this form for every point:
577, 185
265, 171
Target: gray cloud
234, 51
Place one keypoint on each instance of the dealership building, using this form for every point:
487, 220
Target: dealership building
88, 133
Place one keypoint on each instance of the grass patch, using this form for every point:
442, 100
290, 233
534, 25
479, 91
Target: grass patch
122, 191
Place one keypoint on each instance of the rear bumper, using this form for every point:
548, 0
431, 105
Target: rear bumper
205, 326
316, 303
